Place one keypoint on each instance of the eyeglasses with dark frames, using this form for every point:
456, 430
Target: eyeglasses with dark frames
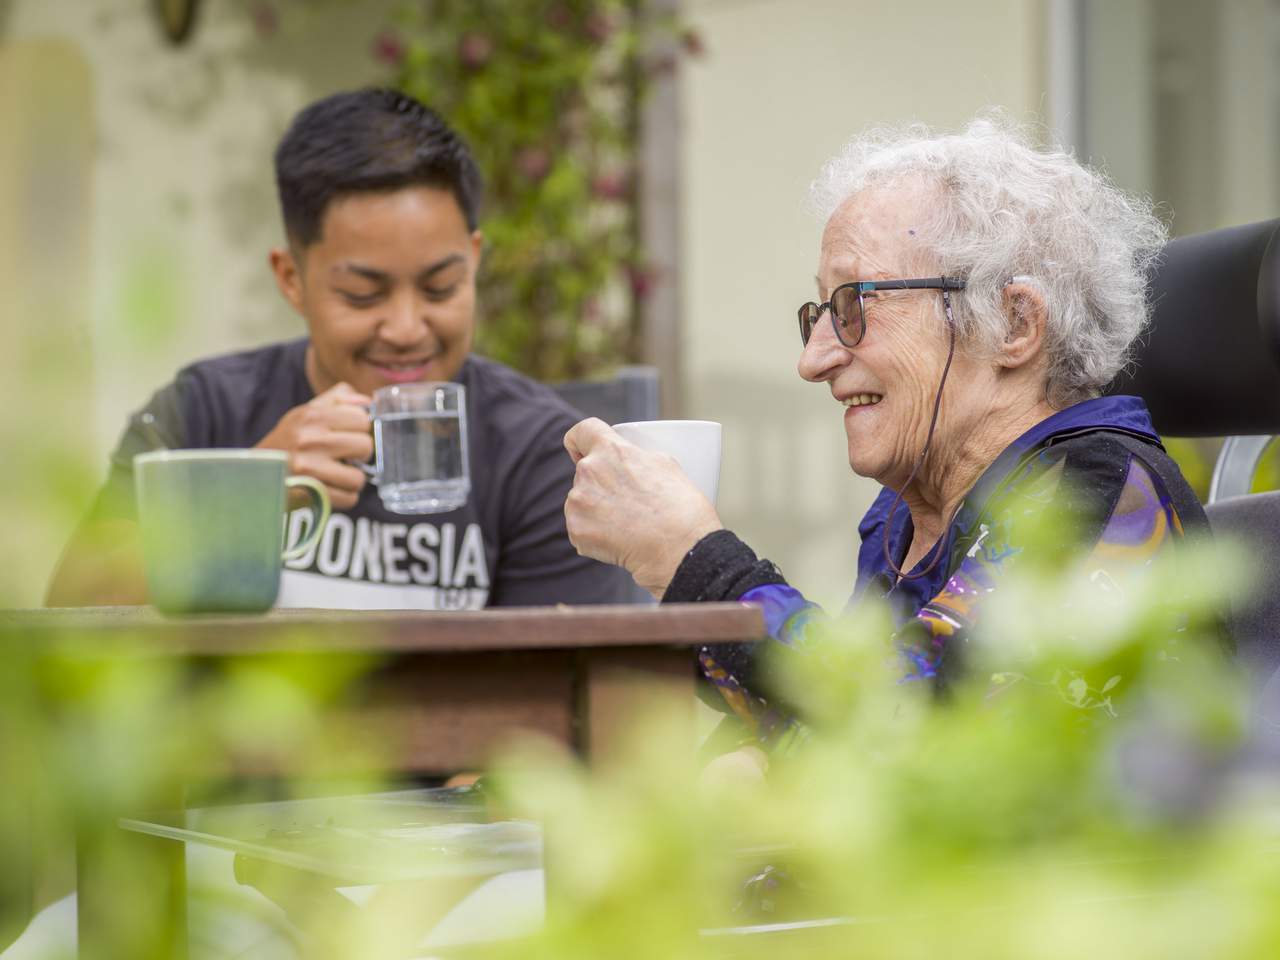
848, 308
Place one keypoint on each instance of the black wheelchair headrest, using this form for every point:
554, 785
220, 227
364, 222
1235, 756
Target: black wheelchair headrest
1210, 364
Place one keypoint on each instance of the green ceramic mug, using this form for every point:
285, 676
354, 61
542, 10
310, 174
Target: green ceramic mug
213, 527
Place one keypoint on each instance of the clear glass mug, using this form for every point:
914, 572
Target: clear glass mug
420, 456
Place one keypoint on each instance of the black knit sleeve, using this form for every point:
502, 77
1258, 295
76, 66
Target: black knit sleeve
719, 567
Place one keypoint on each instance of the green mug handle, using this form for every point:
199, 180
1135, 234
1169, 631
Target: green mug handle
321, 509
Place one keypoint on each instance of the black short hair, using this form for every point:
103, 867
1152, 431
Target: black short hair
370, 140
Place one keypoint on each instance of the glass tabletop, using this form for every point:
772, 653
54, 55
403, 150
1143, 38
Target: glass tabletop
364, 839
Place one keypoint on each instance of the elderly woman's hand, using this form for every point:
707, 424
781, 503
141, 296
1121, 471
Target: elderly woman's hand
632, 507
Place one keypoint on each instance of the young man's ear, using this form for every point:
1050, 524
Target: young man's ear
284, 267
1025, 307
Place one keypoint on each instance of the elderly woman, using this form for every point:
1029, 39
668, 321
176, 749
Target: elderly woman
975, 296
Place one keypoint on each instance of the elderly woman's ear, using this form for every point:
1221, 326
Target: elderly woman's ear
1025, 307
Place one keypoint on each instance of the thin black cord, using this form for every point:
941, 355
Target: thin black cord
934, 551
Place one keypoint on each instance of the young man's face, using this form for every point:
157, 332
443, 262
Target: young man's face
388, 290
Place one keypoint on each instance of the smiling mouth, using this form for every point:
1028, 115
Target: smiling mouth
400, 366
862, 400
400, 371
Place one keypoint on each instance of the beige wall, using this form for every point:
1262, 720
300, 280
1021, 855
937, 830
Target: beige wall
783, 86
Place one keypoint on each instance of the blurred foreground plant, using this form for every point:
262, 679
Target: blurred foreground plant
1071, 794
99, 726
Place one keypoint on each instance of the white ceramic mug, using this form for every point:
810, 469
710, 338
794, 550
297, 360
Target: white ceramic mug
694, 443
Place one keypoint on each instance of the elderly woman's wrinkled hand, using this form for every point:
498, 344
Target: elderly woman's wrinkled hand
632, 507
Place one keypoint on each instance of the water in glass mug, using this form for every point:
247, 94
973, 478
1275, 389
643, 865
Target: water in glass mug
423, 461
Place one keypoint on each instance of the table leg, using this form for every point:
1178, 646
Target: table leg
616, 684
131, 893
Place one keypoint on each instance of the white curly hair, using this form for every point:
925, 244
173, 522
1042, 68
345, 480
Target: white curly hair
1006, 208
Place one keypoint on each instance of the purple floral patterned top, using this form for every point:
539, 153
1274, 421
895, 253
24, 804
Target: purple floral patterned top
1125, 500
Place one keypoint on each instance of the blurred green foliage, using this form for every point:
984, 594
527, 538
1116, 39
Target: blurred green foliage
1194, 457
1074, 792
89, 735
1069, 797
1197, 455
547, 94
1268, 475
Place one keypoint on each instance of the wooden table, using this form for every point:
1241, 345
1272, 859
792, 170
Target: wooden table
450, 686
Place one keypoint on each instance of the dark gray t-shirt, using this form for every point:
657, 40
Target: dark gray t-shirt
507, 546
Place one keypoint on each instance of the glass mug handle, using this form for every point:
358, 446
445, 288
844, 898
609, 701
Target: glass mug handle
374, 471
320, 509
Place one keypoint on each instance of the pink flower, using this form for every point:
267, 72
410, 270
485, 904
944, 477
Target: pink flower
662, 66
265, 20
643, 280
598, 27
533, 163
388, 48
691, 40
474, 50
559, 17
611, 186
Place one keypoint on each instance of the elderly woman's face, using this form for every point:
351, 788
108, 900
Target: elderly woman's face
888, 382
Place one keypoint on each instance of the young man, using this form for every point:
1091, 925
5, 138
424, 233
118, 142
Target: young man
380, 202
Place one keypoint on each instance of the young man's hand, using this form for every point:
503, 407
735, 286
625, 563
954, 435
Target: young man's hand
324, 438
